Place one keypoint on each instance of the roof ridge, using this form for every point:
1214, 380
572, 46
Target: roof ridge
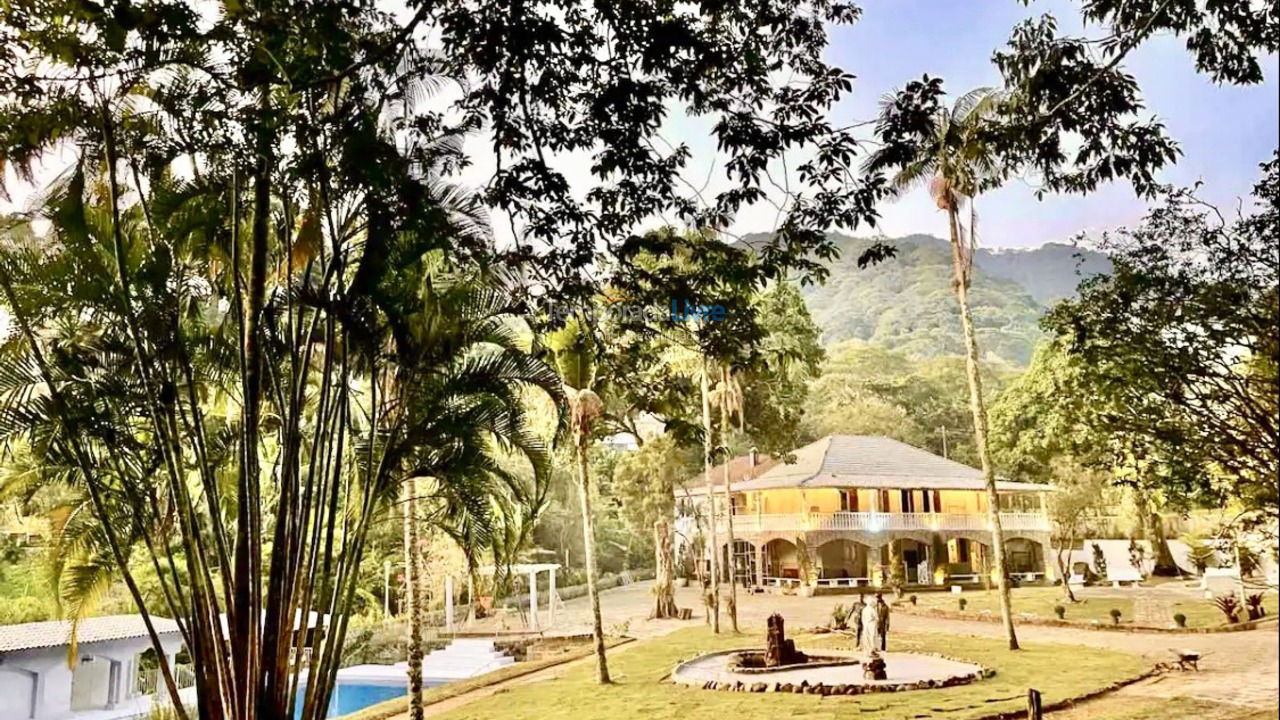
822, 462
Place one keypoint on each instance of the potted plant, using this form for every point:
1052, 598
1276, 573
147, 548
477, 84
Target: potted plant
1253, 606
1229, 606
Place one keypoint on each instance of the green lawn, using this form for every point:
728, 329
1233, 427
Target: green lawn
1041, 601
642, 689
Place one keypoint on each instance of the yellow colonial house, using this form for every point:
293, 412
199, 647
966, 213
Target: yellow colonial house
851, 508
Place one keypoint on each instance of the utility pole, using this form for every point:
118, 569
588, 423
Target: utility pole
944, 442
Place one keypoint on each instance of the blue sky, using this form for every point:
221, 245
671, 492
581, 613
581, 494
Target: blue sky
1224, 131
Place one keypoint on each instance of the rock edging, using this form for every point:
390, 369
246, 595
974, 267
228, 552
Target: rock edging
804, 688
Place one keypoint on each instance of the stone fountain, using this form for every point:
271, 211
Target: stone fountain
781, 667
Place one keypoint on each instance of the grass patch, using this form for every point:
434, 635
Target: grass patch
1092, 607
643, 690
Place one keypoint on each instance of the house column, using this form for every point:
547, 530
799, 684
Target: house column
759, 579
875, 568
1051, 560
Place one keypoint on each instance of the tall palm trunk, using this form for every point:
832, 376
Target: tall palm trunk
961, 281
589, 549
728, 503
713, 606
413, 597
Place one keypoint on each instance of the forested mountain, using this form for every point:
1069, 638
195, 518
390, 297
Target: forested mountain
906, 303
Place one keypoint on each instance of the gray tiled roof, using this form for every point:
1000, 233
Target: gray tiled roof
868, 461
57, 633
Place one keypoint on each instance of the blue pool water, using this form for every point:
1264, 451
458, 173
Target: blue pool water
350, 697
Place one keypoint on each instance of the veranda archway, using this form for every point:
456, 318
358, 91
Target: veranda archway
1026, 558
781, 561
842, 561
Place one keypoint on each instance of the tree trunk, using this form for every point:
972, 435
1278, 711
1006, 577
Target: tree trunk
1063, 570
413, 599
961, 282
713, 607
589, 551
1162, 558
664, 584
728, 504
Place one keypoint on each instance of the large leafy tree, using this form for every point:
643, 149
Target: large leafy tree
702, 339
1177, 350
265, 179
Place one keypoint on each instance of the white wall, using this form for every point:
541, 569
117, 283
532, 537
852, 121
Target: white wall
15, 694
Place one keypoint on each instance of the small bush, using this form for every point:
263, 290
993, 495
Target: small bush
1229, 606
914, 599
1180, 620
963, 602
1060, 611
840, 617
1253, 606
1115, 616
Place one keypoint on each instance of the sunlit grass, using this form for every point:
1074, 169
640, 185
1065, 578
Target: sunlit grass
642, 688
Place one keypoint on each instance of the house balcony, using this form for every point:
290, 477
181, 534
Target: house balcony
877, 522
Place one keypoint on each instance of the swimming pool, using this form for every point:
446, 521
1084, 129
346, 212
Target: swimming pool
349, 697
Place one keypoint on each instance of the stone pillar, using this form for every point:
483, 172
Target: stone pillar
533, 599
448, 603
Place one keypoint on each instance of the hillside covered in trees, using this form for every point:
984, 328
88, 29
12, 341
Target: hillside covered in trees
905, 303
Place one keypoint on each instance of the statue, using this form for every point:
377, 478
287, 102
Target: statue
870, 623
882, 621
855, 614
778, 649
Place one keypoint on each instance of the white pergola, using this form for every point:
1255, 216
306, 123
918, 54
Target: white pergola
530, 569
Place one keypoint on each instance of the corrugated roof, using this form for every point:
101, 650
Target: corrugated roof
865, 461
57, 633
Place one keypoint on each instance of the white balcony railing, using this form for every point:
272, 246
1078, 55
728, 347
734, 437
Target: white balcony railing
875, 522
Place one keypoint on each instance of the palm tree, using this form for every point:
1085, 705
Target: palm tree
954, 155
574, 350
728, 395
